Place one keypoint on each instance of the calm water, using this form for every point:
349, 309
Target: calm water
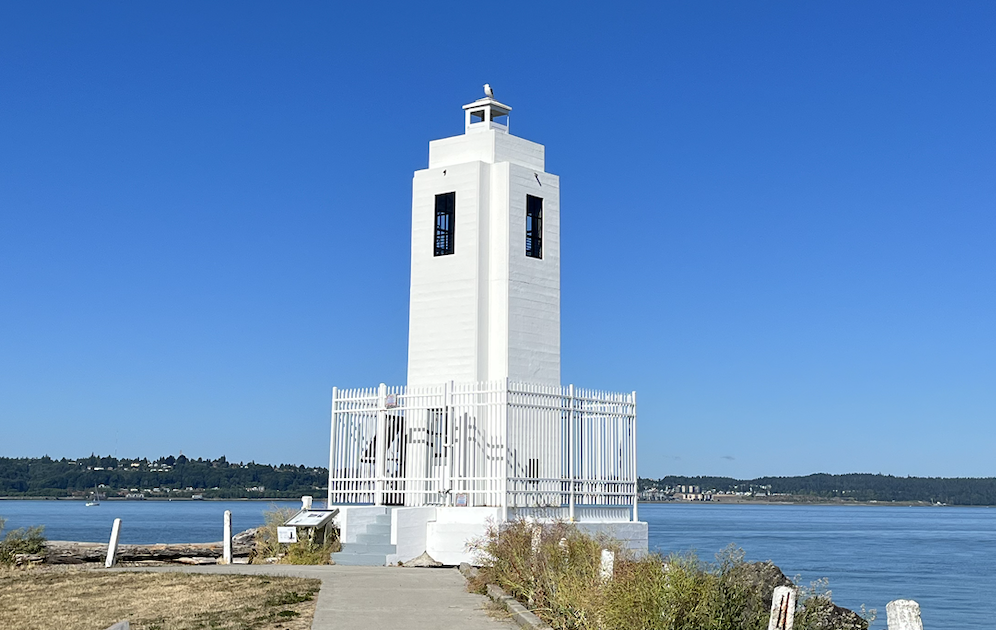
943, 557
142, 522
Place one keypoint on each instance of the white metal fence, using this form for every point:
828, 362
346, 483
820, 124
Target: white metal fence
524, 447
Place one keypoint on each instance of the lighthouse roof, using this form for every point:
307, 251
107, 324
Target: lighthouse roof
488, 102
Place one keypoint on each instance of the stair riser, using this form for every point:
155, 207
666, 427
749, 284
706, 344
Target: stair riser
360, 548
360, 559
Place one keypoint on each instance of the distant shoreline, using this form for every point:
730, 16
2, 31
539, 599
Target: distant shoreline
159, 499
743, 501
723, 501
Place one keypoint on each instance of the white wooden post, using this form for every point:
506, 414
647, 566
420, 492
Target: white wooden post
112, 547
226, 554
904, 614
537, 539
782, 608
608, 565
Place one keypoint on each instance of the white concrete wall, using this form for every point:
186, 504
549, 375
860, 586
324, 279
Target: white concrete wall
633, 536
487, 311
443, 308
534, 283
448, 535
409, 531
491, 146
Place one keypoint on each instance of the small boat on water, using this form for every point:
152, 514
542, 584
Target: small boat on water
95, 501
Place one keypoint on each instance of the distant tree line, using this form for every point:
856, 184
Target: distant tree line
856, 486
169, 476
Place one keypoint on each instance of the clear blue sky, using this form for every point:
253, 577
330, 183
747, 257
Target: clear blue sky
779, 220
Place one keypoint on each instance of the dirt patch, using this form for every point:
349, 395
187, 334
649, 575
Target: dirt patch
89, 599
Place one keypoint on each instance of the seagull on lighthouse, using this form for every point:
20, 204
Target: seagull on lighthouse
488, 91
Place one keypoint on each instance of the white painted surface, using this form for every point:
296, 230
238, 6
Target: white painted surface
782, 615
454, 528
608, 565
226, 555
447, 542
903, 614
409, 530
529, 447
487, 311
112, 547
351, 520
633, 536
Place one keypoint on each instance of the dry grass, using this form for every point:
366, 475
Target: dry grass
86, 599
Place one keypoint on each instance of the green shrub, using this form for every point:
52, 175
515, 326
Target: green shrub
561, 582
23, 540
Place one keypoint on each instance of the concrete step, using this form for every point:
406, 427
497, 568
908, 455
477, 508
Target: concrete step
379, 528
374, 539
360, 559
384, 548
383, 519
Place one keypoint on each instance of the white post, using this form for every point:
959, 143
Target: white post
571, 446
782, 608
636, 484
380, 453
449, 417
306, 502
608, 565
332, 458
112, 547
904, 614
504, 477
226, 554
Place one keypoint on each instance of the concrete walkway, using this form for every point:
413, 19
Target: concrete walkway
362, 598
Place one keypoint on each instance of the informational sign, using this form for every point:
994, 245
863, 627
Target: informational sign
287, 534
461, 499
391, 401
311, 518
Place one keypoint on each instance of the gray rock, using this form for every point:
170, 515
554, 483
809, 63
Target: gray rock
425, 560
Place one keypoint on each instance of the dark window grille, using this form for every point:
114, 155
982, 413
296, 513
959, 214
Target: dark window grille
534, 227
445, 223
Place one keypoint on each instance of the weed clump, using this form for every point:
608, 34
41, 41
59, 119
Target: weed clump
23, 540
555, 569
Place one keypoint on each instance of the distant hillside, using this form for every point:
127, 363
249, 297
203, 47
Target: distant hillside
164, 477
858, 487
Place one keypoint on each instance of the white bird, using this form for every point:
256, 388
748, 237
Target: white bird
488, 91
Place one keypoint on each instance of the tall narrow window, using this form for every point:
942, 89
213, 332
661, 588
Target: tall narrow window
445, 223
534, 227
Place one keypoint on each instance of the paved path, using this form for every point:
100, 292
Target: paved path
362, 598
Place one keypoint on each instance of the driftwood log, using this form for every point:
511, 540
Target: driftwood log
67, 552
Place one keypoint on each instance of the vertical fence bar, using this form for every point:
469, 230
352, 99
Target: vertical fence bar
380, 450
332, 454
571, 449
632, 457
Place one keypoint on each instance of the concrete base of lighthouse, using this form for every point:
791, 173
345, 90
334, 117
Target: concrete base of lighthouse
383, 535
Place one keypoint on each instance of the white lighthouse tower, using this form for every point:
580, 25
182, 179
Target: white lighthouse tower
485, 292
483, 431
